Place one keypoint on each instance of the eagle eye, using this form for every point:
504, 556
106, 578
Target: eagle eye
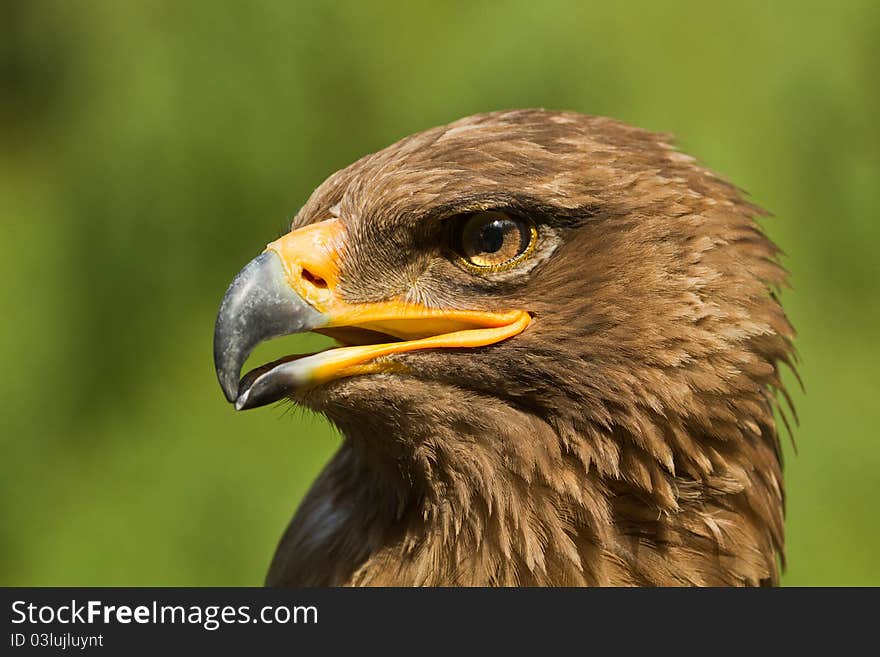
493, 241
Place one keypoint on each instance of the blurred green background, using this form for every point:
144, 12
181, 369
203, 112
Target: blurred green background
149, 149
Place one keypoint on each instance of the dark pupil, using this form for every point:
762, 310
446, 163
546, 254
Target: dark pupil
492, 236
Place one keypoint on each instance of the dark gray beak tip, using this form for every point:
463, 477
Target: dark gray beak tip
229, 384
259, 305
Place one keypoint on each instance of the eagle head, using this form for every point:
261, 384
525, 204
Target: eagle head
559, 351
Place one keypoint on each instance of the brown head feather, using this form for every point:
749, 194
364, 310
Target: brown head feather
626, 438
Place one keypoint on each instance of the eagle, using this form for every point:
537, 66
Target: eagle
558, 363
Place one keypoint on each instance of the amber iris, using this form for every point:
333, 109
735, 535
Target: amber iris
493, 240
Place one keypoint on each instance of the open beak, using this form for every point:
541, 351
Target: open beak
292, 288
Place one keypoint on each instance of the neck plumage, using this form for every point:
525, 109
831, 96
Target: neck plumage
511, 499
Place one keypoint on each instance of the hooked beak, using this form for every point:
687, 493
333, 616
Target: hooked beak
292, 288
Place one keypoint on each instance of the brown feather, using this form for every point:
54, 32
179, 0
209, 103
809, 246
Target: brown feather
626, 438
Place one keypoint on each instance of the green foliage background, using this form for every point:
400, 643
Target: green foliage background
149, 149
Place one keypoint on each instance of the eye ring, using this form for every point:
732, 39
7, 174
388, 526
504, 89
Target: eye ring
493, 241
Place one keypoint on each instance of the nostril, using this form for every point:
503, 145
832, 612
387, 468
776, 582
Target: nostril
313, 279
